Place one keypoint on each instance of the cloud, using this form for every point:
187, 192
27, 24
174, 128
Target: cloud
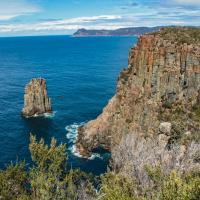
146, 13
13, 8
7, 16
99, 22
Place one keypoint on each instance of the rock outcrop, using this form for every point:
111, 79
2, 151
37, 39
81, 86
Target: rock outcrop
163, 71
36, 100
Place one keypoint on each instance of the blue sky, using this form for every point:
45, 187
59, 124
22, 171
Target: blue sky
48, 17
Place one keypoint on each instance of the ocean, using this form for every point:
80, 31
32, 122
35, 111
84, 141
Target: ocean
81, 75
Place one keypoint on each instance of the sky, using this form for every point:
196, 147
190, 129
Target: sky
55, 17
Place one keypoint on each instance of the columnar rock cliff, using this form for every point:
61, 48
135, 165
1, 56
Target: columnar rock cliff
36, 100
163, 72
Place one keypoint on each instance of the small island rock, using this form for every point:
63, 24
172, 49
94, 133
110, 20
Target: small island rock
36, 100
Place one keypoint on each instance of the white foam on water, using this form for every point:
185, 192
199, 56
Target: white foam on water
95, 155
72, 134
75, 152
50, 115
45, 115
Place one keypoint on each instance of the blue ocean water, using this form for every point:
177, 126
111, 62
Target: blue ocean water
81, 76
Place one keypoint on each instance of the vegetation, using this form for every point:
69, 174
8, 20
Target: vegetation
181, 35
116, 187
185, 121
13, 182
49, 179
170, 187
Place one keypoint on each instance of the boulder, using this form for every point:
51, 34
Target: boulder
165, 128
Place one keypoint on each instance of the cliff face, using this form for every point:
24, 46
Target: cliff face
36, 100
163, 72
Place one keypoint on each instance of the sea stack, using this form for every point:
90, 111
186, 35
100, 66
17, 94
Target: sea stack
36, 100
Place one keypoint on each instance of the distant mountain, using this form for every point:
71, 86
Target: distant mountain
132, 31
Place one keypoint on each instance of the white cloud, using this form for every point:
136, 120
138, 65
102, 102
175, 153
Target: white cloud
13, 8
7, 16
83, 20
99, 22
171, 13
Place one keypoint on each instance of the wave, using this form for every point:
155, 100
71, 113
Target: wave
72, 134
50, 115
45, 115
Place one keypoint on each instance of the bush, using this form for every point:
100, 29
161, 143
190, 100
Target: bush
13, 182
176, 188
168, 187
48, 179
48, 173
116, 187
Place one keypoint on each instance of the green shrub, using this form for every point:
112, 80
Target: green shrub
13, 182
49, 179
116, 187
154, 173
49, 168
196, 112
176, 188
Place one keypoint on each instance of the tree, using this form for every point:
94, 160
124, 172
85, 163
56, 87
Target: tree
49, 177
48, 172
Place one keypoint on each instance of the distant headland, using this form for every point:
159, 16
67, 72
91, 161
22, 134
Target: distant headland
131, 31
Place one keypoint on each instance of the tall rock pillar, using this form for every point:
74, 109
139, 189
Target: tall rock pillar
36, 100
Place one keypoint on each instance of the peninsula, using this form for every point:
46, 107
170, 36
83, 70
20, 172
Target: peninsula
132, 31
154, 116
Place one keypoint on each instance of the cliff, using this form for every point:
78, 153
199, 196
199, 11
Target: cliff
36, 100
160, 86
132, 31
